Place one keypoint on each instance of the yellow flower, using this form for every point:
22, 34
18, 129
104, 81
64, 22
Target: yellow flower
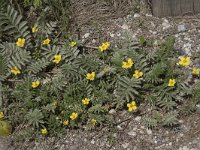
86, 101
171, 82
35, 84
66, 122
137, 74
104, 46
184, 61
34, 29
15, 71
74, 115
93, 121
127, 64
44, 131
46, 42
195, 71
57, 58
20, 42
72, 44
1, 115
90, 76
132, 106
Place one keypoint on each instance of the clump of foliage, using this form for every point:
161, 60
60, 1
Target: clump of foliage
48, 84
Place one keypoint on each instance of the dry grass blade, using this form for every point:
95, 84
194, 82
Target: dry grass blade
100, 11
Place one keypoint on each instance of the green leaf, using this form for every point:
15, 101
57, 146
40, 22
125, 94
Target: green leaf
5, 128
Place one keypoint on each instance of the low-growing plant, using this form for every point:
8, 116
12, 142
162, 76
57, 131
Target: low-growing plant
49, 84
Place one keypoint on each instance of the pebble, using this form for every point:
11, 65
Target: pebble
142, 127
181, 28
149, 131
112, 35
132, 133
86, 35
114, 135
180, 121
119, 127
138, 118
185, 148
125, 27
112, 111
166, 24
119, 34
92, 141
94, 41
148, 15
136, 15
125, 145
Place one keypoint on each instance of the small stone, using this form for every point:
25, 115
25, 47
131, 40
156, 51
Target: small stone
135, 128
138, 118
170, 144
142, 127
115, 135
148, 15
86, 35
198, 105
92, 141
149, 131
166, 24
132, 133
154, 32
125, 145
112, 111
129, 16
119, 34
180, 121
119, 127
181, 28
185, 148
136, 15
141, 132
93, 41
112, 35
125, 27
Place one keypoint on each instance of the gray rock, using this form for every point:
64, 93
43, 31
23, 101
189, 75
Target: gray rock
138, 118
136, 15
125, 145
92, 141
86, 35
181, 28
166, 24
132, 133
185, 148
112, 111
125, 27
149, 131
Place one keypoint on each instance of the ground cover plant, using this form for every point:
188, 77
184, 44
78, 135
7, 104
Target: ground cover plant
49, 82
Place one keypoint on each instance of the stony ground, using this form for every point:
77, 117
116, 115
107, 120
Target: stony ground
130, 133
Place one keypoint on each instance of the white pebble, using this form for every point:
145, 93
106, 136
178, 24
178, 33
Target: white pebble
112, 111
149, 131
136, 15
138, 118
132, 133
